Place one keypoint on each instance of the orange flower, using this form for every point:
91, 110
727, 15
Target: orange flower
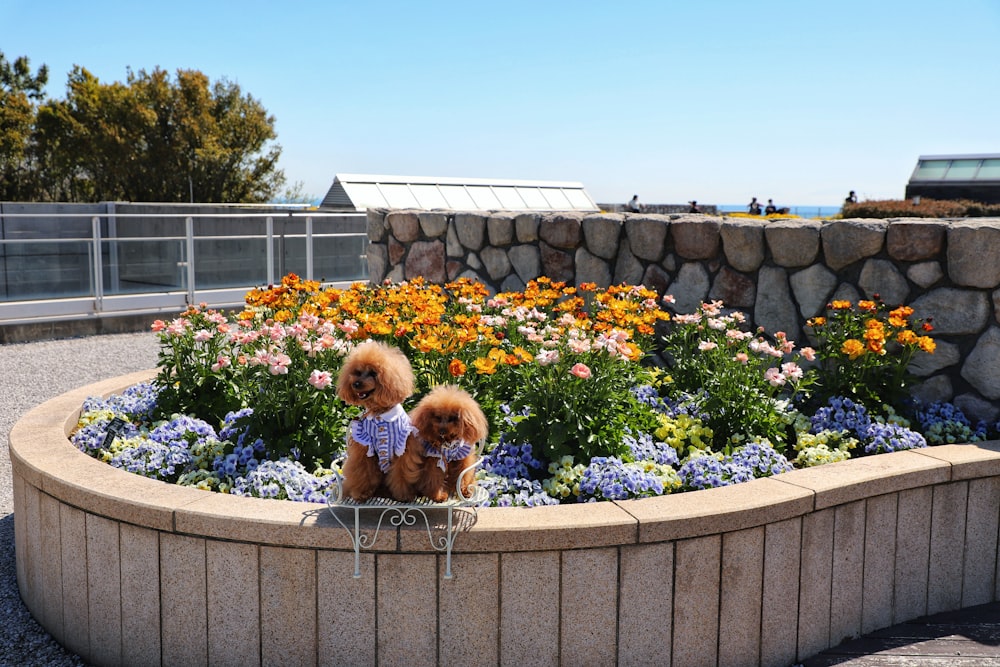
816, 322
853, 348
840, 305
456, 368
867, 305
927, 344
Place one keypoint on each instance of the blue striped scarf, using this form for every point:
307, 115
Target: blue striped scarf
384, 435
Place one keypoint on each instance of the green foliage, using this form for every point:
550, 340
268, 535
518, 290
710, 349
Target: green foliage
924, 208
740, 381
864, 350
150, 138
201, 365
19, 90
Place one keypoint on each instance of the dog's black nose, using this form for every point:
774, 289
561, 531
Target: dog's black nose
357, 384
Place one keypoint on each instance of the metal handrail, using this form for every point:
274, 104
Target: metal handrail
86, 281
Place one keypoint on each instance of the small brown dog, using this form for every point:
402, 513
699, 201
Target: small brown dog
448, 423
378, 378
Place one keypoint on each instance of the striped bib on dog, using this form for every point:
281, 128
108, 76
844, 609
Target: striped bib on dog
384, 435
451, 451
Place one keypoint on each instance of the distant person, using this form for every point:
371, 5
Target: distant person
633, 204
694, 207
851, 198
770, 208
754, 207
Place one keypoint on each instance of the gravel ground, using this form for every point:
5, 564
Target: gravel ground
31, 373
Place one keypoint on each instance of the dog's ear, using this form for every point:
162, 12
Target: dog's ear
395, 377
419, 417
474, 424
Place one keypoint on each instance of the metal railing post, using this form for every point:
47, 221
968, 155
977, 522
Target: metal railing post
95, 223
114, 275
309, 248
270, 250
189, 242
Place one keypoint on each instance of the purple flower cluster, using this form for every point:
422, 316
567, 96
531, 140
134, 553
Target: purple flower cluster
514, 492
283, 479
610, 478
513, 461
644, 448
761, 459
752, 460
885, 438
90, 439
153, 459
708, 472
136, 402
842, 414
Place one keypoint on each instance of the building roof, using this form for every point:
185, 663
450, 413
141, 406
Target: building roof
358, 192
945, 169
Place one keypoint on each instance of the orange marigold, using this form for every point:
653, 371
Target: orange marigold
853, 348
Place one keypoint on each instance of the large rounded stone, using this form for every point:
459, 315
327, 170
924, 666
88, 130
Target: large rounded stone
470, 229
690, 288
426, 258
405, 225
915, 240
560, 231
601, 234
526, 261
980, 367
812, 288
881, 277
972, 253
647, 236
954, 311
734, 289
696, 238
847, 241
592, 269
743, 243
556, 264
793, 243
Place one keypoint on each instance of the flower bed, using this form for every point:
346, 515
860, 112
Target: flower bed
592, 394
126, 570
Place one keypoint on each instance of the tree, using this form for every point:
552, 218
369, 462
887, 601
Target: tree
19, 90
153, 139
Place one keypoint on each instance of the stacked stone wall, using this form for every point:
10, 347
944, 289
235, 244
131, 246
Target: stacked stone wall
779, 272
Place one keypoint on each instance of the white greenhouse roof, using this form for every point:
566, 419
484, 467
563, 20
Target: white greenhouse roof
358, 192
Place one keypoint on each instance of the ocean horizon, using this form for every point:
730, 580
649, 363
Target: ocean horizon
801, 210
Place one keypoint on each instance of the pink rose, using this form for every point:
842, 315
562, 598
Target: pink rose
582, 371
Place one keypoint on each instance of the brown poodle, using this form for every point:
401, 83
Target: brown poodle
448, 424
378, 378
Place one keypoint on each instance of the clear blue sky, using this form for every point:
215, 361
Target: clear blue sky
717, 100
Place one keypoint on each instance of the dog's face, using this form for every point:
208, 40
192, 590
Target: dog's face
448, 414
376, 377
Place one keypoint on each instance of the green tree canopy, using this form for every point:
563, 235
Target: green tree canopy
156, 139
19, 89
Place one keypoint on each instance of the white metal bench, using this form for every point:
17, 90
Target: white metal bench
460, 512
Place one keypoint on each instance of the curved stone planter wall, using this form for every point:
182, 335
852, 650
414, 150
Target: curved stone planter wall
125, 570
780, 272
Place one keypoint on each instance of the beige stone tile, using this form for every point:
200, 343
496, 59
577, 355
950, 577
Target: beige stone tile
816, 579
73, 554
50, 611
140, 583
573, 526
913, 531
741, 597
469, 622
287, 606
261, 520
880, 559
720, 510
696, 615
979, 573
589, 604
869, 476
646, 602
79, 480
104, 588
848, 571
184, 625
346, 608
779, 607
980, 459
529, 608
234, 616
406, 599
947, 551
20, 531
32, 589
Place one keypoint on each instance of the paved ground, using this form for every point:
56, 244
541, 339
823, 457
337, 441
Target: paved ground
967, 638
